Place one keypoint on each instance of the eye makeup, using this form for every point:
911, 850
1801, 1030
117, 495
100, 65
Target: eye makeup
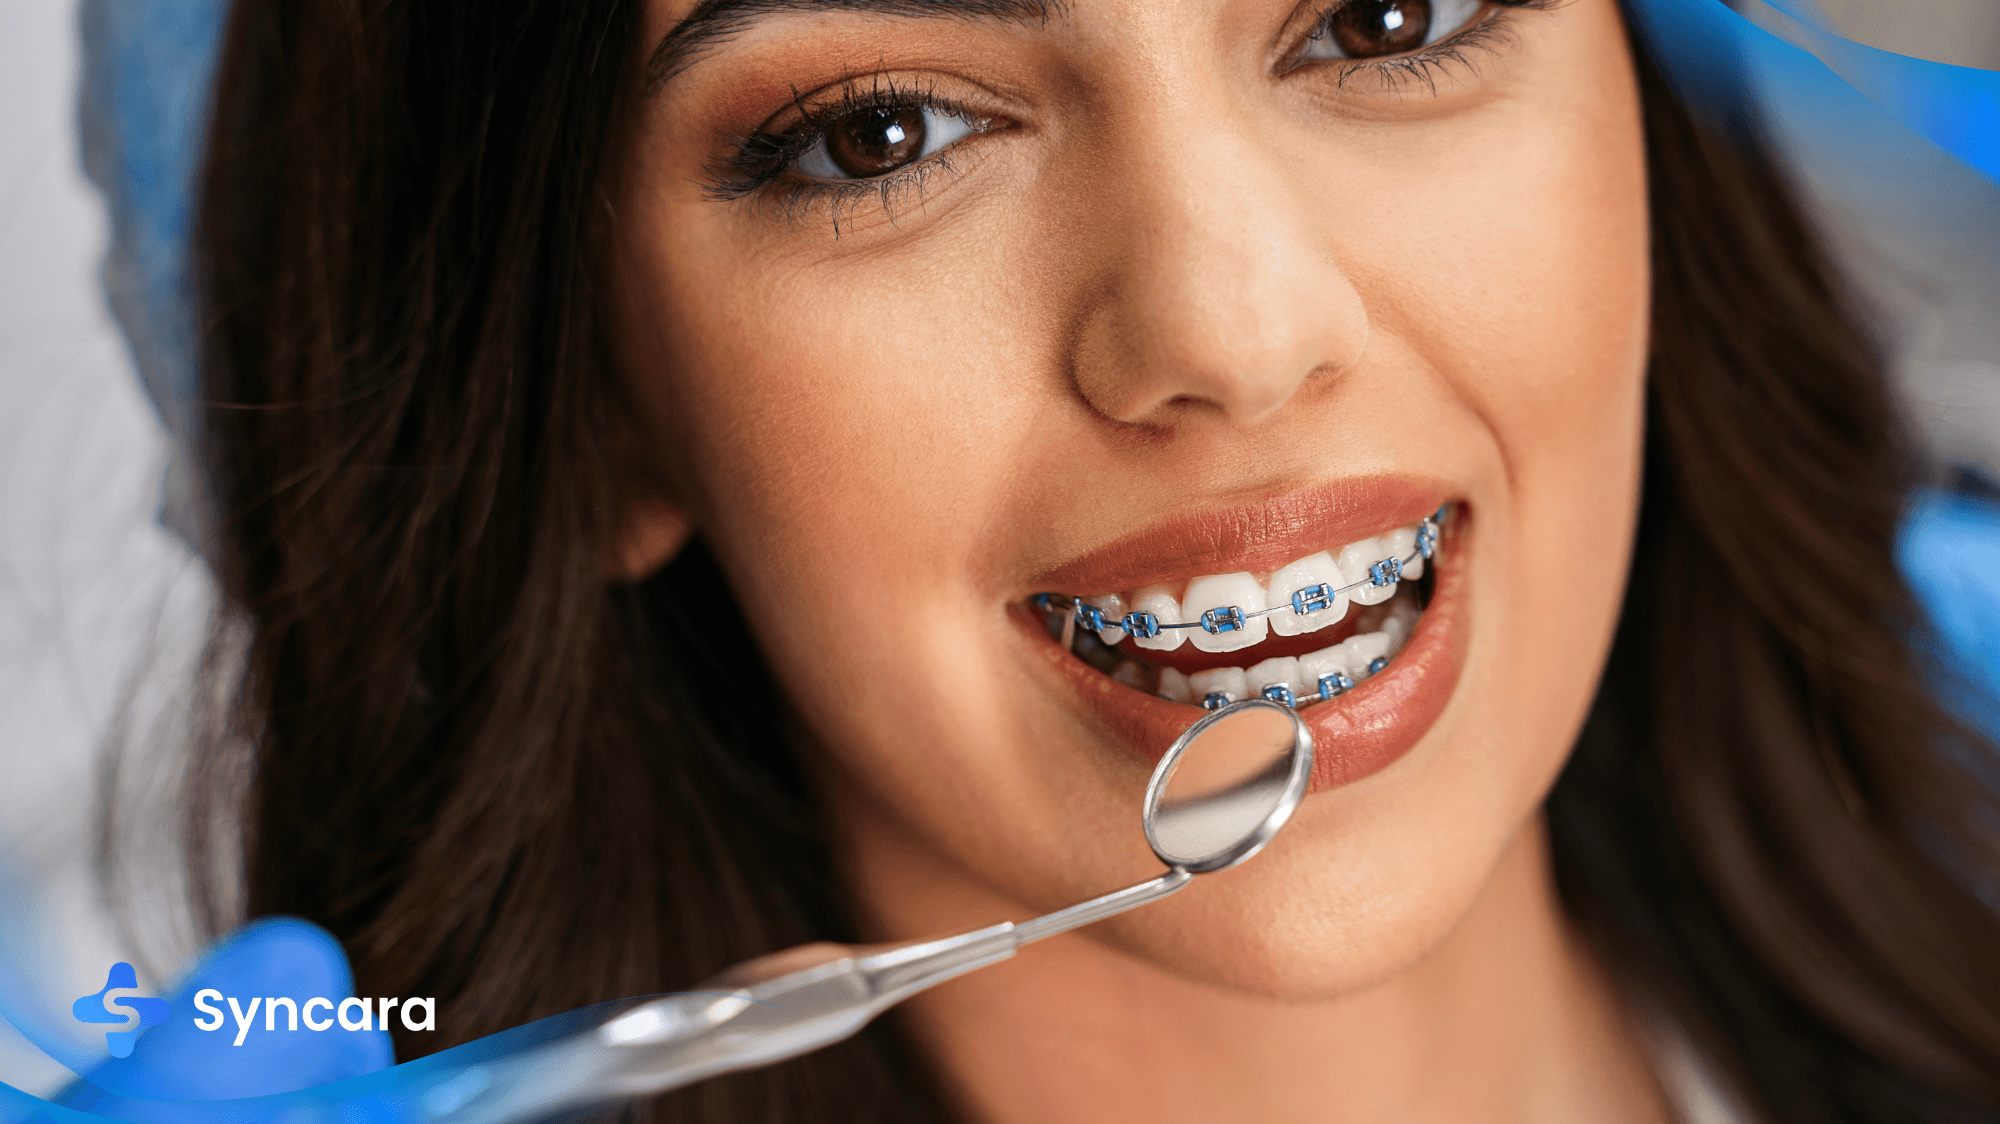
1342, 29
876, 140
907, 129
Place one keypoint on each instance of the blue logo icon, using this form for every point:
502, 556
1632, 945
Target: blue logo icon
95, 1009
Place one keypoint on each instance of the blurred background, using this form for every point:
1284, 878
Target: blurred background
103, 610
1960, 32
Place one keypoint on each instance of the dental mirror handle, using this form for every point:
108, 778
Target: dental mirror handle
763, 1011
1097, 909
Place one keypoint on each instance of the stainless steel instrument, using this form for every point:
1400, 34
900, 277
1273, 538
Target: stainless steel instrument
1224, 788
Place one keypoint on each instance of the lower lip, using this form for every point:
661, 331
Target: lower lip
1355, 736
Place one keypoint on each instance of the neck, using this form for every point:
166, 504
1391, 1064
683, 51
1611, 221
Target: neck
1507, 1019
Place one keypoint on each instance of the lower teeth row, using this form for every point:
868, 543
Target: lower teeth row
1299, 681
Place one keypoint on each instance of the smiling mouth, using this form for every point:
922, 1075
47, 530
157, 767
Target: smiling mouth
1308, 632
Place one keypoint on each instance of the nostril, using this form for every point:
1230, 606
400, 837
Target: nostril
1240, 402
1152, 354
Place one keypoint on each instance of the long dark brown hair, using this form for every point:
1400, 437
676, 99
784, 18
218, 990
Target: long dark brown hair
506, 783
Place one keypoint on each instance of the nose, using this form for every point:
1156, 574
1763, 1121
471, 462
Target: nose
1217, 291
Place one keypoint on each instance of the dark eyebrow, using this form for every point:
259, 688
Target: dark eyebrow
716, 21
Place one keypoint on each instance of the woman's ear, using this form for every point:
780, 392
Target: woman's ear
651, 528
650, 533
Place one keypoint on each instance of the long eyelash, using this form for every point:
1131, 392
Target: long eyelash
1426, 66
758, 160
844, 198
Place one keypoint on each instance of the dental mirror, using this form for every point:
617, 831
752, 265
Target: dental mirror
1222, 790
1227, 785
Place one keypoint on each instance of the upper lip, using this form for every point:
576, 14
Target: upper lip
1254, 538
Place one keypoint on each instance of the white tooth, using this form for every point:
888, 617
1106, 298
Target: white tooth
1398, 631
1174, 686
1130, 674
1277, 669
1403, 544
1319, 569
1401, 621
1155, 599
1227, 681
1114, 610
1219, 591
1355, 559
1326, 661
1362, 649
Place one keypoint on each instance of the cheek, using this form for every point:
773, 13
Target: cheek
1548, 341
816, 416
847, 436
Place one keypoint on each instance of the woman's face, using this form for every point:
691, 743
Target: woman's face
930, 307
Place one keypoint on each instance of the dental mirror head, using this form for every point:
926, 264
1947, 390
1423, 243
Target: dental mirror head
1227, 785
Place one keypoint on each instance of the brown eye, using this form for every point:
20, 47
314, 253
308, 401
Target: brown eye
881, 139
1369, 29
875, 142
1373, 29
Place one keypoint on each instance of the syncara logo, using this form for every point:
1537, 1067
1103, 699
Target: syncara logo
98, 1009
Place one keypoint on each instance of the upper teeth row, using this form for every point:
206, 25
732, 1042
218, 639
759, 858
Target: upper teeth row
1243, 610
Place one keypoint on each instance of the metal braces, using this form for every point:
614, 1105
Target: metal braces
1331, 685
1230, 618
